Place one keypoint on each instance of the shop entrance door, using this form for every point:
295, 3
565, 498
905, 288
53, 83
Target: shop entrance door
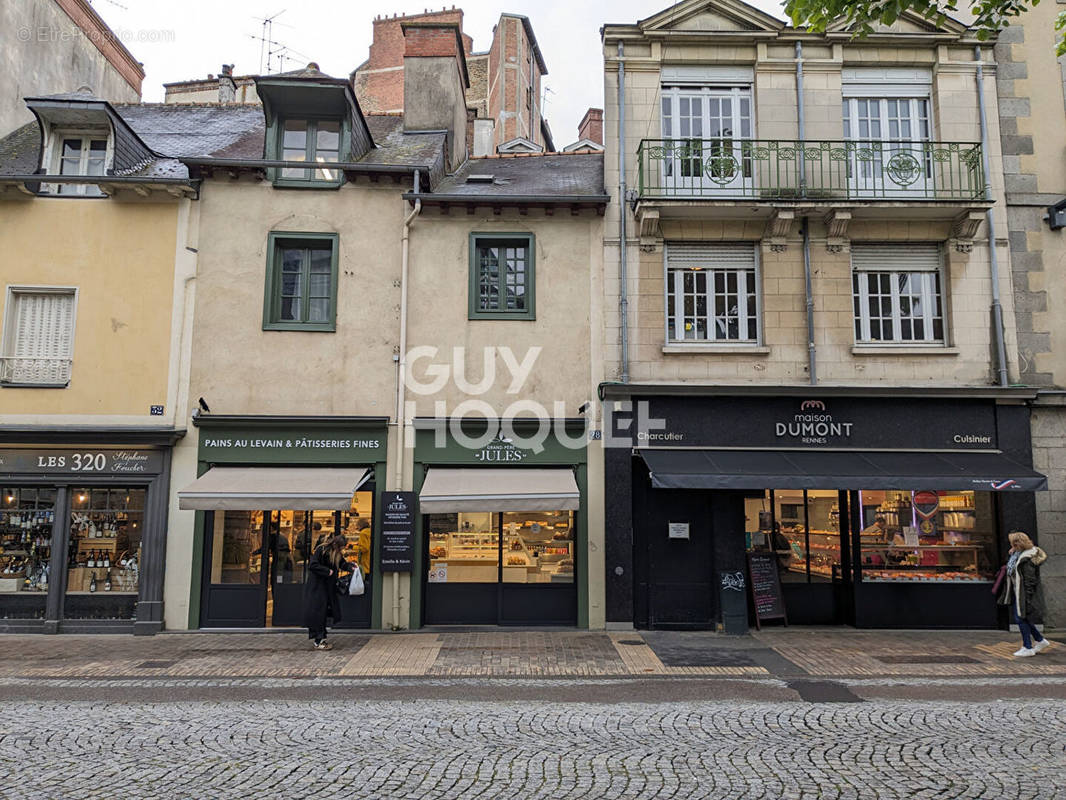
256, 565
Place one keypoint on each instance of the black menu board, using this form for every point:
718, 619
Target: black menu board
398, 531
766, 588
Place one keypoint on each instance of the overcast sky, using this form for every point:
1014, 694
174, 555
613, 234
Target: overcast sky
185, 39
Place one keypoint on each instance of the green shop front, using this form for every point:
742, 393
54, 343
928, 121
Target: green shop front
503, 527
270, 490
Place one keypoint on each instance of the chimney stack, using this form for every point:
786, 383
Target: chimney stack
435, 81
591, 126
227, 87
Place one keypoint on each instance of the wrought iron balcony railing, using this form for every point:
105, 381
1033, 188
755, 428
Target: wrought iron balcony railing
823, 169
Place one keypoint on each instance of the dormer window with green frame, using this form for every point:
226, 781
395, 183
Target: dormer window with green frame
318, 141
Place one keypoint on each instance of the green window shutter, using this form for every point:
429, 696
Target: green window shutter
502, 276
301, 282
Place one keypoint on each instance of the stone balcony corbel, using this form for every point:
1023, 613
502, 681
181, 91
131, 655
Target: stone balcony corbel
778, 228
836, 230
964, 229
650, 233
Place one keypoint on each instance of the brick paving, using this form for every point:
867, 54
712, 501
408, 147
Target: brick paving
839, 653
461, 750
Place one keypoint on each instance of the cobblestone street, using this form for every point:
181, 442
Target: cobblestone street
453, 750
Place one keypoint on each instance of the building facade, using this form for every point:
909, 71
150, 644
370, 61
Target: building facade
1032, 91
363, 332
52, 46
93, 365
810, 344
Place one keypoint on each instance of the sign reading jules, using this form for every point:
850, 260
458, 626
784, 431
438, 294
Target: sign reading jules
500, 450
87, 461
398, 531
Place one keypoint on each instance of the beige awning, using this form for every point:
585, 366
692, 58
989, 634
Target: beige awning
255, 488
516, 489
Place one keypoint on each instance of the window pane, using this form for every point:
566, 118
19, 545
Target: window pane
26, 518
464, 548
294, 135
105, 541
538, 547
318, 309
72, 148
328, 138
236, 555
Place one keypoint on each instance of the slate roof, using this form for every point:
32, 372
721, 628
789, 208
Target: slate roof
577, 175
20, 150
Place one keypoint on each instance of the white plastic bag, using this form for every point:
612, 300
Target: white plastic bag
356, 587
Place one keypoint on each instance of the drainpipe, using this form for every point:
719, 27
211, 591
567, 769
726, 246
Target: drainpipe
812, 364
401, 376
623, 301
997, 309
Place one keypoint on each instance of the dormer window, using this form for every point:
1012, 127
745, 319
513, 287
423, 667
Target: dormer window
317, 141
78, 153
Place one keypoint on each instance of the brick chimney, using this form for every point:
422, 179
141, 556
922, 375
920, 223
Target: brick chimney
227, 87
435, 82
591, 126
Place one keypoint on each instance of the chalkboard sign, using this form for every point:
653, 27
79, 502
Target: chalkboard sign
398, 531
766, 588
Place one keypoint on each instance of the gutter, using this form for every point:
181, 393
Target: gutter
489, 199
808, 284
344, 166
40, 177
623, 276
998, 334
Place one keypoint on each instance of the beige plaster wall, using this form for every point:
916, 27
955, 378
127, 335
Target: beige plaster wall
120, 257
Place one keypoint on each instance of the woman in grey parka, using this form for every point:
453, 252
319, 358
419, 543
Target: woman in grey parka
1021, 591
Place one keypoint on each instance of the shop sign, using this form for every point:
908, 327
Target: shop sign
862, 423
500, 450
260, 445
678, 530
398, 531
83, 461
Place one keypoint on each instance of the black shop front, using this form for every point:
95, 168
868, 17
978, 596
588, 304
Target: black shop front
879, 510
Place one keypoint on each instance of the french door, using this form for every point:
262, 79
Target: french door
891, 157
704, 128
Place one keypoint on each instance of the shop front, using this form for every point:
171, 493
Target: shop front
503, 529
878, 511
83, 528
270, 490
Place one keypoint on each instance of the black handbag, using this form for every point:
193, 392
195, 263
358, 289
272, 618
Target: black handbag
343, 583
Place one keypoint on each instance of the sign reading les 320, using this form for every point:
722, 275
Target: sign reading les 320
87, 461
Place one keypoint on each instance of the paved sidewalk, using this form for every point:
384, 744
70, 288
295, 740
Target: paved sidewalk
779, 652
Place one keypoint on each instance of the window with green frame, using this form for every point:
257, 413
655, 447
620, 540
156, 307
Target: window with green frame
301, 282
318, 141
501, 276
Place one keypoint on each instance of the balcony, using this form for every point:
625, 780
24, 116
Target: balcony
35, 371
811, 170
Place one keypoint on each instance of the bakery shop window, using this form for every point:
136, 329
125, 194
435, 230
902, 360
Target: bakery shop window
106, 528
925, 536
26, 517
510, 546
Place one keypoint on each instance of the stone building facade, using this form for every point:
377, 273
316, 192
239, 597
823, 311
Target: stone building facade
1032, 102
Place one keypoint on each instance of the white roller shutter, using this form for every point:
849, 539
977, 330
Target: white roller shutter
895, 257
41, 337
710, 255
707, 76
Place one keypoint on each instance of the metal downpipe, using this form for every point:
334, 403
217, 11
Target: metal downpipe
623, 271
998, 333
812, 362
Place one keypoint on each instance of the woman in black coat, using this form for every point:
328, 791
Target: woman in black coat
1021, 591
321, 594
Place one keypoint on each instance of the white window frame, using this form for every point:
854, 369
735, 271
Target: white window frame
861, 303
734, 92
54, 149
673, 278
9, 340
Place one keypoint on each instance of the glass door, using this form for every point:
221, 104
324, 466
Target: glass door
890, 156
236, 567
705, 129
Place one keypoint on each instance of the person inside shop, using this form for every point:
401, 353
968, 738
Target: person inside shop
1020, 589
322, 592
879, 529
362, 545
782, 548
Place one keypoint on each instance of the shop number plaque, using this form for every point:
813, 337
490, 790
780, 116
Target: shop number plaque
398, 531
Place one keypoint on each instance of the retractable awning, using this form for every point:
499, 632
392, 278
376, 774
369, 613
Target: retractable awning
518, 489
789, 469
254, 488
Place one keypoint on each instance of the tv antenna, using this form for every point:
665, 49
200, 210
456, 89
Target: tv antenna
268, 48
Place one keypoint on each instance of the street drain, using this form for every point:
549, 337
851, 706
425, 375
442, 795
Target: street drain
634, 642
917, 658
156, 664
